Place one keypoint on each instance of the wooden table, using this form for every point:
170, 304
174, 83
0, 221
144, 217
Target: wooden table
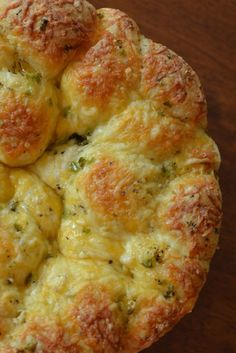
204, 33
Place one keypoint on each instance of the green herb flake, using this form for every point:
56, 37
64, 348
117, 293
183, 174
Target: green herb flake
159, 254
86, 230
131, 306
82, 162
37, 77
168, 168
170, 293
148, 263
18, 227
163, 169
100, 16
122, 51
74, 167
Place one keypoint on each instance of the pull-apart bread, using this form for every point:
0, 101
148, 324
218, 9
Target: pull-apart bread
110, 206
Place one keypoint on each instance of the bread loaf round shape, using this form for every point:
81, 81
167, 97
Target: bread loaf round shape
110, 220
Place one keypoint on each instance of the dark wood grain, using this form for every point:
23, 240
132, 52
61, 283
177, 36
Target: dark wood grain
204, 33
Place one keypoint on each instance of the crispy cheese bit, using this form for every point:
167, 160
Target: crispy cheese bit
47, 33
98, 320
171, 83
101, 83
27, 122
192, 209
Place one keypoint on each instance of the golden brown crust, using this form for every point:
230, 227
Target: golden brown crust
98, 320
155, 317
151, 322
27, 121
194, 212
109, 189
102, 86
49, 26
172, 84
53, 30
189, 278
101, 82
108, 229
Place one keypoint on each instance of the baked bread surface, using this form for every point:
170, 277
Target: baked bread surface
110, 206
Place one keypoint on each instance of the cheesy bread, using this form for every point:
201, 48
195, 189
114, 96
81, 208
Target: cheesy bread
110, 206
